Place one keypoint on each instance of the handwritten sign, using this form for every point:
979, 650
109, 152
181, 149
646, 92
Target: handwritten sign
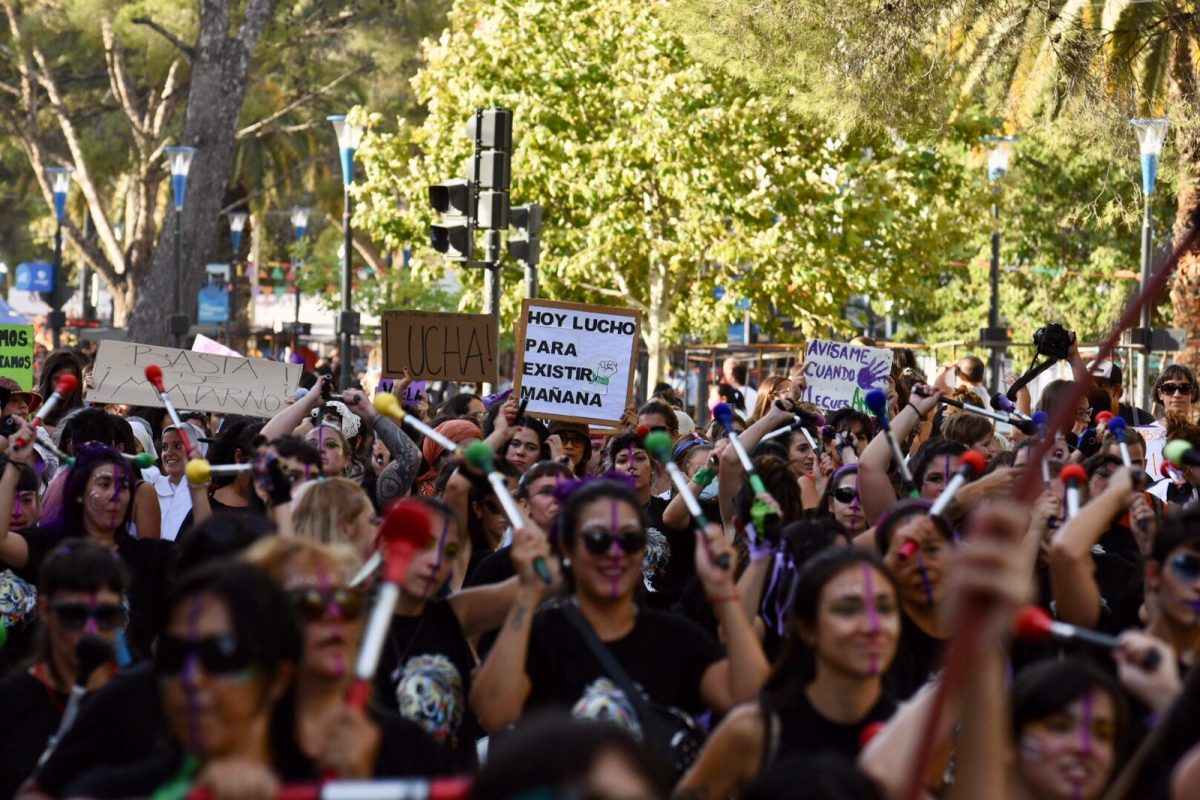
575, 362
16, 354
1156, 439
839, 375
440, 347
197, 381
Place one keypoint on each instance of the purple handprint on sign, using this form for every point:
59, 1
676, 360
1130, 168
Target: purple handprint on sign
872, 375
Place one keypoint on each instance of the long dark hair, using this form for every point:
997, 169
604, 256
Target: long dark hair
53, 363
68, 519
796, 666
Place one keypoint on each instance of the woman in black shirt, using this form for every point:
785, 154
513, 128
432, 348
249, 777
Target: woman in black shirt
827, 688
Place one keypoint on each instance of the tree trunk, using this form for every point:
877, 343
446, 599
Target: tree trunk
218, 87
1185, 292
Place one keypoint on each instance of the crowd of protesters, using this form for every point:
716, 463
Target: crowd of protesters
860, 609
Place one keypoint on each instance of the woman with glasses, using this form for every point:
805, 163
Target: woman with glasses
224, 660
570, 442
827, 686
95, 505
544, 659
80, 594
334, 738
843, 501
1175, 392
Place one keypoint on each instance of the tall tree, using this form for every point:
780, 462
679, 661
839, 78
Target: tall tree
1086, 64
662, 178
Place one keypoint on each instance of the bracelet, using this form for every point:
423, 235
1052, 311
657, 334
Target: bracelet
914, 408
735, 598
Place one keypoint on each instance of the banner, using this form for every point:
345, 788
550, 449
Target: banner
839, 375
576, 362
197, 381
213, 301
16, 354
440, 347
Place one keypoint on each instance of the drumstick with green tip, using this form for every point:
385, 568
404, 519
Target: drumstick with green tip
480, 456
658, 444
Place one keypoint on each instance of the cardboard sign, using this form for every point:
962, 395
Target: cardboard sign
440, 347
839, 375
1156, 439
196, 381
16, 354
576, 362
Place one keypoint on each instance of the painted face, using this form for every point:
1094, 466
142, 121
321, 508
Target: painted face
1069, 754
105, 498
604, 568
939, 472
636, 462
858, 623
329, 444
1179, 587
211, 708
69, 616
524, 448
297, 470
541, 504
801, 458
332, 614
430, 568
921, 577
846, 504
174, 456
27, 509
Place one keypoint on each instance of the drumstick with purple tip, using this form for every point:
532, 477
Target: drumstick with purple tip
65, 386
1116, 426
154, 374
658, 444
480, 456
876, 400
1040, 419
387, 404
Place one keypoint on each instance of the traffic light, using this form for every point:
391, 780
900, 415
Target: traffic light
452, 237
491, 128
526, 243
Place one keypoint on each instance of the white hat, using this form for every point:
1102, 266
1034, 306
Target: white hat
143, 434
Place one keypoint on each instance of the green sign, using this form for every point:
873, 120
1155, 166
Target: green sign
16, 354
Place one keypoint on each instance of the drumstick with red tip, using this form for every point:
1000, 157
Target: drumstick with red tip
1033, 624
1073, 476
154, 374
66, 385
971, 465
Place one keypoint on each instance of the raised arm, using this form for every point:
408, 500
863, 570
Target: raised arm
289, 418
730, 472
876, 462
13, 550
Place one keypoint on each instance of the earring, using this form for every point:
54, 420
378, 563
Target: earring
566, 562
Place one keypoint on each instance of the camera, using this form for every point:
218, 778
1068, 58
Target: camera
9, 426
1053, 341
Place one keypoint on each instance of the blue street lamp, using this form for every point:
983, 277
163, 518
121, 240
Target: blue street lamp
348, 136
300, 229
60, 184
1150, 135
999, 157
179, 159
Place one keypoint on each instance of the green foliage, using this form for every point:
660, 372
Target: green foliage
662, 178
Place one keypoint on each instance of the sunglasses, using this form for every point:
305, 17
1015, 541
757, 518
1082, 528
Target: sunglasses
844, 494
1176, 388
314, 604
74, 616
599, 543
1186, 565
218, 655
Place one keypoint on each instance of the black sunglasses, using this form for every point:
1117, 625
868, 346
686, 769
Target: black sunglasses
844, 494
314, 604
599, 543
1187, 565
218, 655
74, 616
1176, 388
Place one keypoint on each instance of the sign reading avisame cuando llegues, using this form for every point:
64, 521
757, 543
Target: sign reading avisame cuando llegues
575, 361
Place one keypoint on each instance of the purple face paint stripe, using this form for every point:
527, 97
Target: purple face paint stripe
615, 548
441, 550
1085, 724
872, 612
190, 674
925, 584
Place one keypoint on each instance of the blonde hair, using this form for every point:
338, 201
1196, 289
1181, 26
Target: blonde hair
326, 507
274, 556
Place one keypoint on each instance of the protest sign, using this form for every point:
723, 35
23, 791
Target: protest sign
575, 362
16, 354
203, 344
840, 375
1156, 439
197, 381
440, 347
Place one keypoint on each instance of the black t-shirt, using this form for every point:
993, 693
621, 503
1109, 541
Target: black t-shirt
119, 724
424, 674
666, 655
496, 567
803, 730
29, 715
917, 657
670, 558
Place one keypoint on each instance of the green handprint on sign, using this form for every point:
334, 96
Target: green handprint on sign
603, 371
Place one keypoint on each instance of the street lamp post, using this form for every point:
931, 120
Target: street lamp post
237, 224
998, 160
348, 136
1150, 134
300, 229
179, 159
60, 183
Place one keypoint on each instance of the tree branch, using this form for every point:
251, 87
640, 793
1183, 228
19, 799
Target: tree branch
262, 123
188, 51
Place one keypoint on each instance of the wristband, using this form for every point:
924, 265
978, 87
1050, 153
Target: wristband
757, 547
704, 476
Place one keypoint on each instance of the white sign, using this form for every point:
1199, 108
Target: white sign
1156, 439
575, 361
839, 375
